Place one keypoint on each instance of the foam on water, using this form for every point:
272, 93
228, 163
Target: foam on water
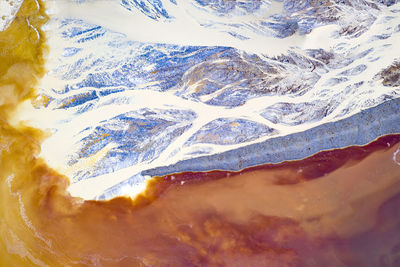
8, 9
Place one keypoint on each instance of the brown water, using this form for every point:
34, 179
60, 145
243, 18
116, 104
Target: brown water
337, 208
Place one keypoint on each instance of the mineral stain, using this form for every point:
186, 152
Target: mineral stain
336, 208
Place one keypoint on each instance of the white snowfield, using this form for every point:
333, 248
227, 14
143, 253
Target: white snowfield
136, 86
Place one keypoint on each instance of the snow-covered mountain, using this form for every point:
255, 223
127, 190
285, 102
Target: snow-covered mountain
136, 84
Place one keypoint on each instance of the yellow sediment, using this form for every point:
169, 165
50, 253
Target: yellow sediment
274, 216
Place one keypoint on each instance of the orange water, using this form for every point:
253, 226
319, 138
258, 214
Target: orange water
337, 208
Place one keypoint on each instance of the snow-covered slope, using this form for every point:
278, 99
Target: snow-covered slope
136, 84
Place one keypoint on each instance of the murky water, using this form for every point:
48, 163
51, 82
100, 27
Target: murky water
336, 208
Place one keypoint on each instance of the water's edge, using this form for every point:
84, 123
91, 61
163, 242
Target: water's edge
359, 129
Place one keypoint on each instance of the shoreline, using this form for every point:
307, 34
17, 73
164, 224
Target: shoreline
359, 129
